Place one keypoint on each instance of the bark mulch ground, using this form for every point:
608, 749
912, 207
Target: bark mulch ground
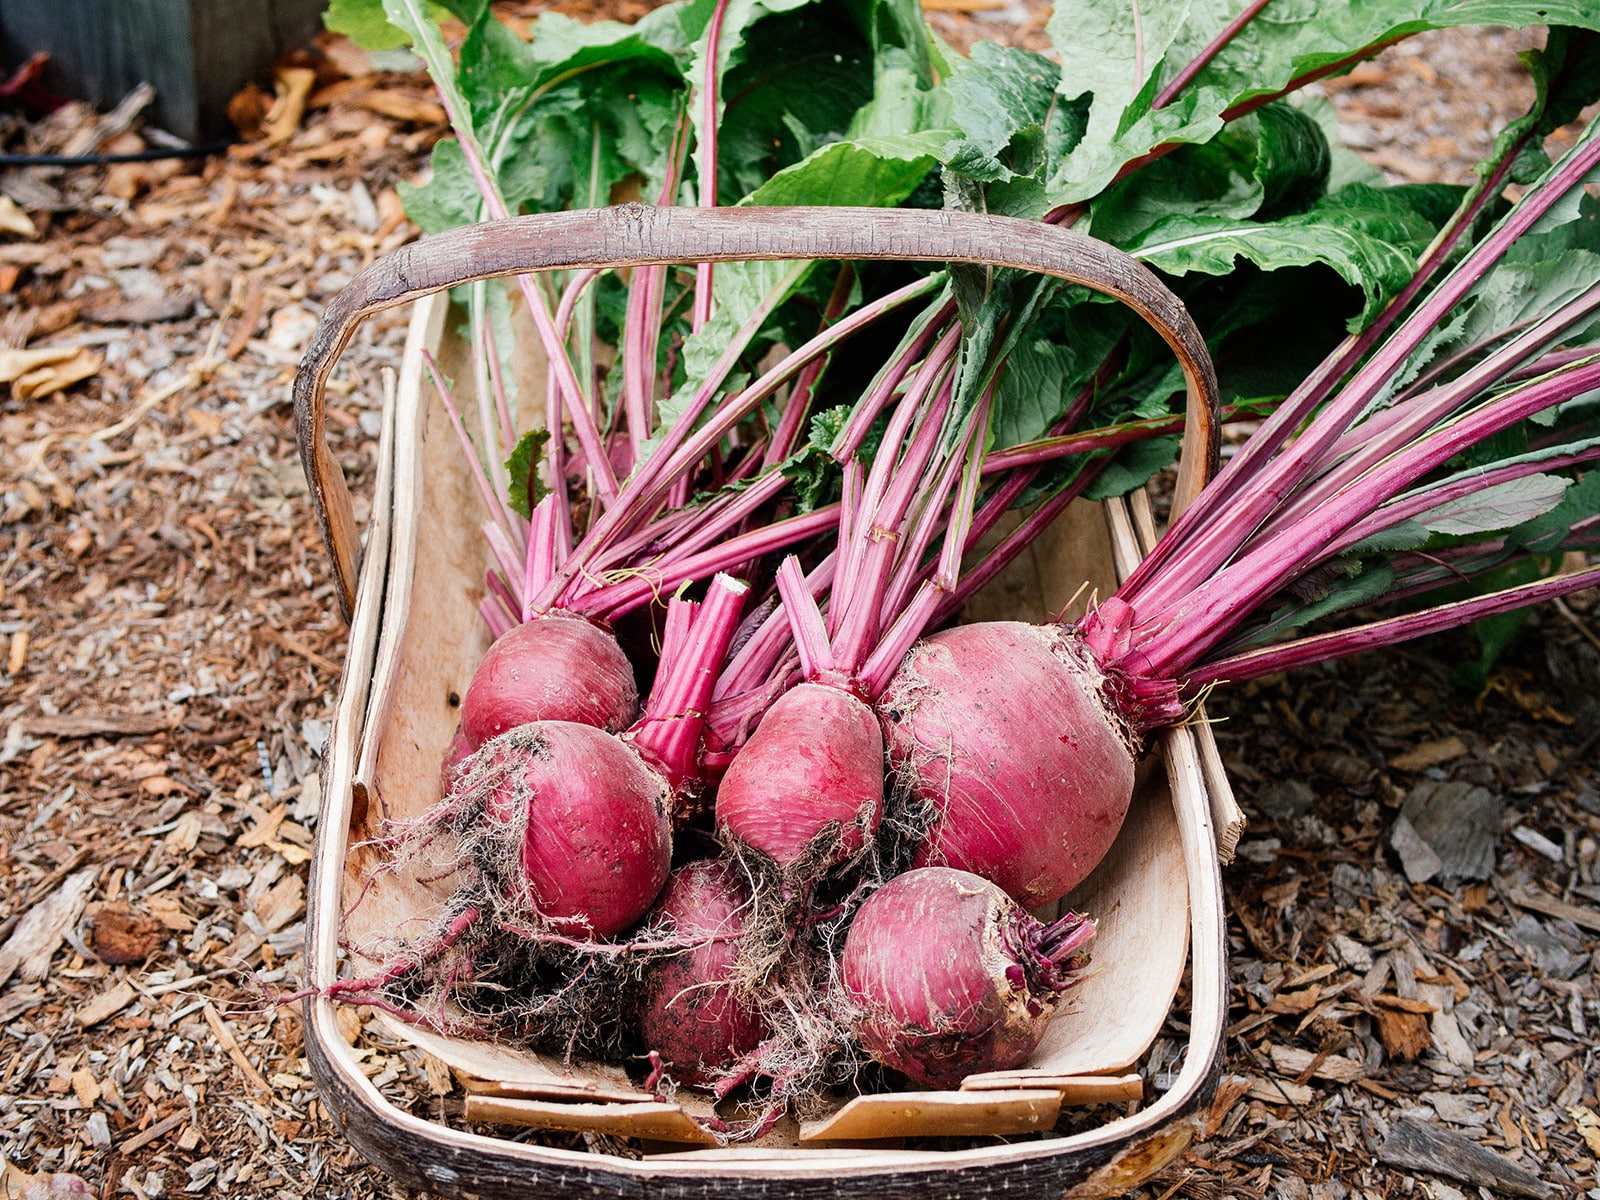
1415, 905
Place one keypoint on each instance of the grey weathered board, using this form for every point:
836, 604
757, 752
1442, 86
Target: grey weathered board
195, 53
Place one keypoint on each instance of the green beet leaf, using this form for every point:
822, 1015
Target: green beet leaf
526, 489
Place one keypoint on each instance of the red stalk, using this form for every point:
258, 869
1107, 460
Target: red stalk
912, 348
675, 713
708, 155
1175, 637
555, 349
646, 584
1424, 500
648, 487
1420, 413
1329, 646
1215, 544
792, 423
1319, 385
1230, 31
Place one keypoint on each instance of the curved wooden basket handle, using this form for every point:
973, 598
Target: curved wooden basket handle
636, 235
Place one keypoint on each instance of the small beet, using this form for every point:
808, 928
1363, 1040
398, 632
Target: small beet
951, 977
584, 824
552, 668
692, 1012
813, 767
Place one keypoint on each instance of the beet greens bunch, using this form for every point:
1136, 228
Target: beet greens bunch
760, 494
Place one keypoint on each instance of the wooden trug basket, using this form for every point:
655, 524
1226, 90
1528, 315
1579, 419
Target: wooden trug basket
415, 638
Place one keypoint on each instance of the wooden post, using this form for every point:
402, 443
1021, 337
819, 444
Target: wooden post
195, 53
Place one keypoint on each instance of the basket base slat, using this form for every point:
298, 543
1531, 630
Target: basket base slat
938, 1114
658, 1122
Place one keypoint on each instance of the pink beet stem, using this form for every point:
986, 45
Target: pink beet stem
922, 335
1328, 646
792, 423
555, 350
648, 486
543, 551
495, 614
805, 620
1217, 44
675, 633
1175, 638
879, 530
642, 328
503, 553
617, 599
1425, 410
1422, 500
759, 657
497, 512
707, 166
862, 521
679, 702
1196, 522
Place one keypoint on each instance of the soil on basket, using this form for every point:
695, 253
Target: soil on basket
171, 651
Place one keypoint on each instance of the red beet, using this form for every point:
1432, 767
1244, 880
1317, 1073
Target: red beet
692, 1013
552, 668
588, 821
951, 977
814, 762
1008, 732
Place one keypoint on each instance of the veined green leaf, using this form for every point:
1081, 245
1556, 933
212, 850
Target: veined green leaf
1179, 245
449, 198
365, 23
1133, 467
1121, 55
526, 488
891, 144
1269, 163
1498, 507
1545, 533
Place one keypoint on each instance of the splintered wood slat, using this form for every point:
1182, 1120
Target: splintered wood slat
1076, 1091
485, 1068
656, 1121
937, 1114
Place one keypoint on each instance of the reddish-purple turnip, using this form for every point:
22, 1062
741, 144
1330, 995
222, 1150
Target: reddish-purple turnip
693, 1012
810, 779
1017, 741
551, 668
584, 819
1006, 732
950, 977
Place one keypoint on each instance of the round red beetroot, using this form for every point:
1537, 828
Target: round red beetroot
587, 821
552, 668
814, 762
951, 977
692, 1013
1004, 728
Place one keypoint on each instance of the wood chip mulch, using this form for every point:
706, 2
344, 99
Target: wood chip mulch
1414, 912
